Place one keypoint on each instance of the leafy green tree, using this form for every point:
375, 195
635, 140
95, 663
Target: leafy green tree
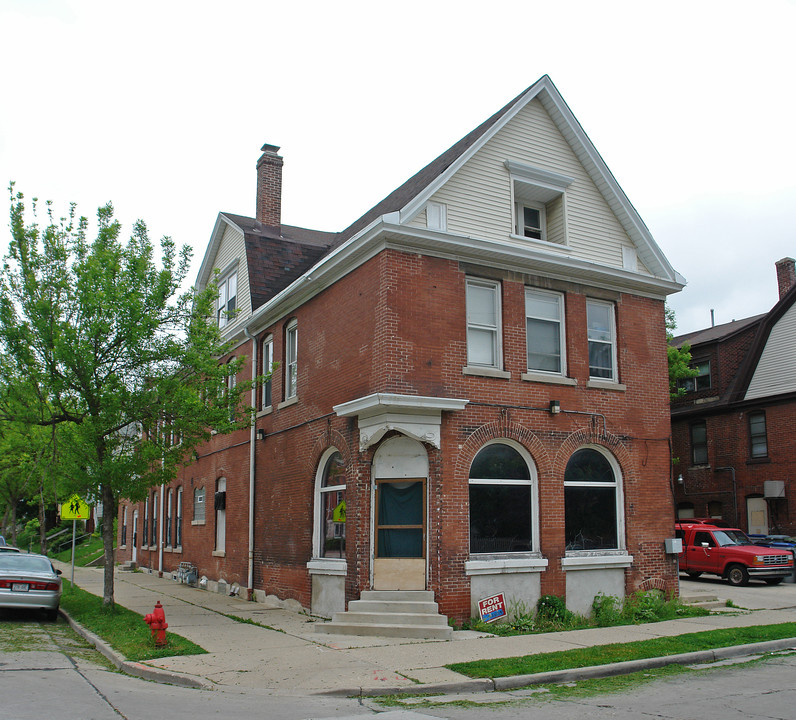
115, 355
679, 358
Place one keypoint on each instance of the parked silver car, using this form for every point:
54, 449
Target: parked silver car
29, 582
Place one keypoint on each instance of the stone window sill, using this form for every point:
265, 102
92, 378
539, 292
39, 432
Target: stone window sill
597, 560
550, 379
494, 565
606, 385
327, 566
486, 372
219, 553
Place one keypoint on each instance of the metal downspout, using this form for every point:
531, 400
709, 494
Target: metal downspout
252, 456
160, 532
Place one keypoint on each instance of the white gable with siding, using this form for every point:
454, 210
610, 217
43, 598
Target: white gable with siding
479, 198
775, 373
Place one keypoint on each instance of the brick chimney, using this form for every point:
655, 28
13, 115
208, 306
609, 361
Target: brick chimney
269, 186
786, 275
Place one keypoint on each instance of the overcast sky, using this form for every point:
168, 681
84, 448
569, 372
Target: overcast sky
162, 107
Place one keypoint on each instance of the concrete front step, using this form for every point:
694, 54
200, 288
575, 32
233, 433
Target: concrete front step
354, 617
391, 613
425, 632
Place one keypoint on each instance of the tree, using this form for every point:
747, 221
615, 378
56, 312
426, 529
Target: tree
679, 358
115, 355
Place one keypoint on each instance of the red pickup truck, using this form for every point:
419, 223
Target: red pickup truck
729, 553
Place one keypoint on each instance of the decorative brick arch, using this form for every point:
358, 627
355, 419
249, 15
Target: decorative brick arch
329, 438
503, 429
581, 438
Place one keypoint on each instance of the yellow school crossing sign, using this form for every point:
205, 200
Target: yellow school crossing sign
75, 509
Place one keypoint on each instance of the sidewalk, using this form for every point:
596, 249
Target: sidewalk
288, 657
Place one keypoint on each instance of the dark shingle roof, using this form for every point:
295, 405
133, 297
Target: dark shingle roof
718, 332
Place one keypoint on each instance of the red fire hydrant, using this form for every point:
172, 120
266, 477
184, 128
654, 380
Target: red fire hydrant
157, 623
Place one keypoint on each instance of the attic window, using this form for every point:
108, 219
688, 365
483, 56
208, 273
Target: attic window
227, 298
539, 203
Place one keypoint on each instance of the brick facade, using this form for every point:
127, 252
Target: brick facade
397, 338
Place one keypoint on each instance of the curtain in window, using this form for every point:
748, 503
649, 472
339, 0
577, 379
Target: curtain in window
400, 504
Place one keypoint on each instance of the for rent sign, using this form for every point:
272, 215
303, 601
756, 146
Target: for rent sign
492, 608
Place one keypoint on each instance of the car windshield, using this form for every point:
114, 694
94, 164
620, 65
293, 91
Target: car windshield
730, 537
15, 562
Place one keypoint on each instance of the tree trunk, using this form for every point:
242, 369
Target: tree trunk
108, 514
42, 522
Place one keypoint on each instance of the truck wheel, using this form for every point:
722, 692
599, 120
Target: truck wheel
737, 575
693, 575
774, 581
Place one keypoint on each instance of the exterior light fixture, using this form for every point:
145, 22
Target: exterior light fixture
555, 407
680, 479
260, 434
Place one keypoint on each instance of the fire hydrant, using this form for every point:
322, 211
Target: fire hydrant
157, 623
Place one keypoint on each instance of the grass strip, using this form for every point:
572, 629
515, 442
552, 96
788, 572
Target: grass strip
124, 630
85, 552
621, 652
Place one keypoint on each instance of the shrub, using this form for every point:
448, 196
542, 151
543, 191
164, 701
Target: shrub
606, 610
551, 611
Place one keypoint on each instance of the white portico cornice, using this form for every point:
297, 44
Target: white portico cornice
415, 416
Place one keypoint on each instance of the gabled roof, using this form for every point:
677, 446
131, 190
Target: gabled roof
409, 197
717, 332
761, 326
308, 248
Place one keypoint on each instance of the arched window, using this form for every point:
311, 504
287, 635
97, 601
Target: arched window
331, 507
592, 508
502, 500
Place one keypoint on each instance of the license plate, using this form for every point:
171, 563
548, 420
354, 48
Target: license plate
19, 587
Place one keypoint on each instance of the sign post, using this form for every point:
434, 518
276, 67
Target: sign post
74, 509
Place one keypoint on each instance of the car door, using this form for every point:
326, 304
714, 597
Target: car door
701, 553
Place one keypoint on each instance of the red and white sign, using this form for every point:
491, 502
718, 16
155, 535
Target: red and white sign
492, 608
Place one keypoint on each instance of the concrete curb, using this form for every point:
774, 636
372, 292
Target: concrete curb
559, 676
146, 672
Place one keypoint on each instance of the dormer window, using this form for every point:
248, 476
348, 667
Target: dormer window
227, 298
539, 203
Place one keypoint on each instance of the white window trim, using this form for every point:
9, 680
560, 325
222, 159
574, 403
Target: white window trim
496, 331
268, 362
291, 361
545, 186
437, 216
319, 564
534, 485
614, 379
562, 333
618, 485
519, 219
223, 300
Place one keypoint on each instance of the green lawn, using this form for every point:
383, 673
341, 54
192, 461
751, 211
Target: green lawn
85, 553
621, 652
125, 631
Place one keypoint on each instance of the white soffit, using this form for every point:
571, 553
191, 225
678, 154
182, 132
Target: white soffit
417, 417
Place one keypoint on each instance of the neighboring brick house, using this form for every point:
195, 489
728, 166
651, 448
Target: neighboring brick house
471, 392
734, 430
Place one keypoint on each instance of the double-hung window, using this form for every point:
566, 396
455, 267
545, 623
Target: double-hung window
699, 443
291, 360
544, 323
701, 381
199, 505
602, 340
758, 444
227, 298
483, 323
268, 364
531, 221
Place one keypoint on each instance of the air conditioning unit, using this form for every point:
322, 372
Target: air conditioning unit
774, 488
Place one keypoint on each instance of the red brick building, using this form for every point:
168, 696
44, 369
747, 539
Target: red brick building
471, 391
734, 431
